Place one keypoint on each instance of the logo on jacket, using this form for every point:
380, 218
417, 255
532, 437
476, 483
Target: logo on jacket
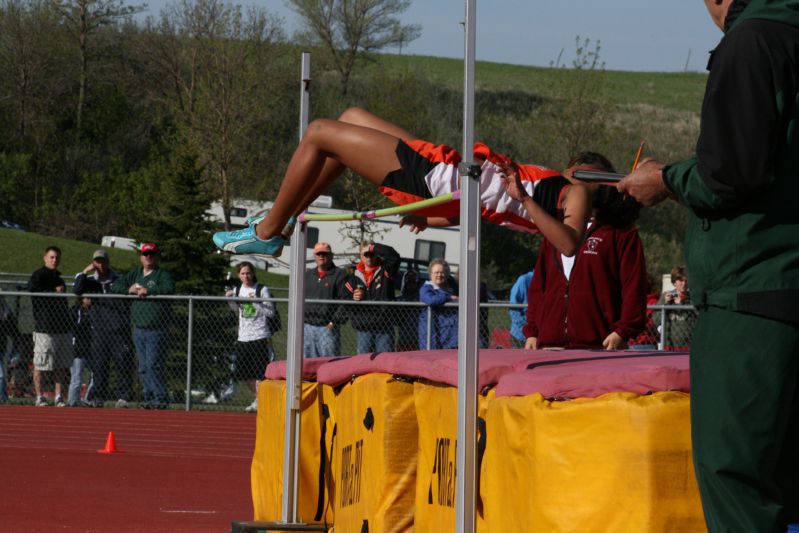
591, 245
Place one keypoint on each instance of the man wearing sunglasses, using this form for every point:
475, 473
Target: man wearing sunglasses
373, 280
150, 319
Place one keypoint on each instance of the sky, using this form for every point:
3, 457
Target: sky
662, 36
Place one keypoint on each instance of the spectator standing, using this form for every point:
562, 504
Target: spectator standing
150, 320
321, 331
9, 343
373, 280
597, 298
743, 258
254, 345
110, 339
439, 290
408, 324
679, 323
52, 341
81, 345
518, 316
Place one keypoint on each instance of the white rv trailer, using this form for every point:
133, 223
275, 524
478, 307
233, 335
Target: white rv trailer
343, 236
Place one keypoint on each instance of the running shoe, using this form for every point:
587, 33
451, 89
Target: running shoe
253, 407
59, 402
245, 241
41, 401
287, 230
122, 403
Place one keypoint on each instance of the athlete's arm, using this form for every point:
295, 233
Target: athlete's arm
567, 235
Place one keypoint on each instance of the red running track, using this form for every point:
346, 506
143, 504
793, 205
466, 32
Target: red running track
180, 471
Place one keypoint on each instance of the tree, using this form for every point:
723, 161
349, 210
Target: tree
179, 223
578, 118
83, 18
347, 29
28, 42
217, 65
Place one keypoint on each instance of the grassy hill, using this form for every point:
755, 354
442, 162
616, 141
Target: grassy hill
681, 91
23, 251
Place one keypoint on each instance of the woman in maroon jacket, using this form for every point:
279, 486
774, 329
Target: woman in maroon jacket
597, 299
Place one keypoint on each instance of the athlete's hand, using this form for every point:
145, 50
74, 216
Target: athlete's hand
415, 223
645, 183
513, 184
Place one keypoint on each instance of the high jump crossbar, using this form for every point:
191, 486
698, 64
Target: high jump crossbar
378, 213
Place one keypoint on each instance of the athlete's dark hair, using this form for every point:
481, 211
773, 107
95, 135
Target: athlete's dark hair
610, 206
594, 159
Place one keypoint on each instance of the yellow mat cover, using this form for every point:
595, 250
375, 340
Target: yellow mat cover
620, 462
374, 457
266, 473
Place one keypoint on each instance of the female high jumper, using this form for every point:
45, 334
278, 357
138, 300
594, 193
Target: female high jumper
406, 170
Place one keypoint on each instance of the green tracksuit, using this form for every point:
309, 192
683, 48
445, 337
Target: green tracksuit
742, 252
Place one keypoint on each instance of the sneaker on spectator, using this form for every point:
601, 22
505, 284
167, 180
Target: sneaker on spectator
253, 407
59, 402
90, 403
41, 401
228, 393
211, 399
122, 403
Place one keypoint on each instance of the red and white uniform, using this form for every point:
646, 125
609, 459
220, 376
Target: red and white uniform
429, 170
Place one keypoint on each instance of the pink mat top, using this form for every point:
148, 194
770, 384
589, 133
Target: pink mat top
310, 366
441, 366
638, 372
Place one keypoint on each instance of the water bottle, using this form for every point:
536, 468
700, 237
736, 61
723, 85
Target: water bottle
229, 282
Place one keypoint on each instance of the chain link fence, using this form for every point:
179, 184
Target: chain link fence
182, 351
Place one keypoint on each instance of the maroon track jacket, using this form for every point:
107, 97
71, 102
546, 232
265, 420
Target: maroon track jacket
606, 291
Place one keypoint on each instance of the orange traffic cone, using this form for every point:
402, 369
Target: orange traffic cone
110, 444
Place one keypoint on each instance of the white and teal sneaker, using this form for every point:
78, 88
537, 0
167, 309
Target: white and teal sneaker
245, 241
288, 229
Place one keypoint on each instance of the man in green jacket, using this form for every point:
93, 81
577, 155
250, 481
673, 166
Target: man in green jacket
742, 251
150, 321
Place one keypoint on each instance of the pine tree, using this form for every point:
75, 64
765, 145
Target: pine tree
181, 227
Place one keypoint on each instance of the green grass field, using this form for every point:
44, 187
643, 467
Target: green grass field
681, 91
23, 251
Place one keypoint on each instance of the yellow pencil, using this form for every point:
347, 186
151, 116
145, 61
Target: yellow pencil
638, 155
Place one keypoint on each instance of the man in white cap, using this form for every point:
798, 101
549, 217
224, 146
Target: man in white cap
110, 339
322, 336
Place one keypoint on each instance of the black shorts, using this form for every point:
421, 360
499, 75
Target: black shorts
252, 358
409, 178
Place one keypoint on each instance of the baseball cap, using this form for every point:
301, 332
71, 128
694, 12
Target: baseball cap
148, 247
100, 254
322, 247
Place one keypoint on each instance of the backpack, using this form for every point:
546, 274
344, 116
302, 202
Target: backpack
275, 322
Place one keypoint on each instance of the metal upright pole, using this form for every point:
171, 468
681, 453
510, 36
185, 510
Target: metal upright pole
189, 353
294, 356
468, 316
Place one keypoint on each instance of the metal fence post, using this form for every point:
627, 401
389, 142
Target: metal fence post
189, 353
429, 327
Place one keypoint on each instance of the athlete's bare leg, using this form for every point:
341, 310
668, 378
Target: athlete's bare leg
332, 169
367, 151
